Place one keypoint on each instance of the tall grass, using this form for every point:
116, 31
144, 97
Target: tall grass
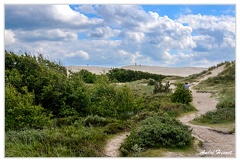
67, 141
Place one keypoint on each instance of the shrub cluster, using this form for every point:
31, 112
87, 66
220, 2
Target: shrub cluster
156, 132
37, 89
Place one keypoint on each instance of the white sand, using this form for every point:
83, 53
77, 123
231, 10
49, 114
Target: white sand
180, 71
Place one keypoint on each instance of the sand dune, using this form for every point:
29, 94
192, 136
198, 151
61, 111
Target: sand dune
180, 71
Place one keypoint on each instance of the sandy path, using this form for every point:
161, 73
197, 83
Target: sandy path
112, 146
215, 144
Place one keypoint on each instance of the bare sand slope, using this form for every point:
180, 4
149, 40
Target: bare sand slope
93, 69
180, 71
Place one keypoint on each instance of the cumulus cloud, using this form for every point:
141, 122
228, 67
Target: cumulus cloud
79, 54
9, 37
46, 35
88, 9
119, 34
46, 16
212, 33
103, 32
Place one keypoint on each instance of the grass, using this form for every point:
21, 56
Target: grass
229, 127
161, 152
67, 141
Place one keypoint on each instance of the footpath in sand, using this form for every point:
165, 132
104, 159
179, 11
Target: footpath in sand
216, 143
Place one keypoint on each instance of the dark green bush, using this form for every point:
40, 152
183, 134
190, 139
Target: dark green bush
123, 75
85, 75
160, 88
20, 111
151, 82
156, 132
181, 95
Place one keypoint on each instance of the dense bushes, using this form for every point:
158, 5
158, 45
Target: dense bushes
156, 132
47, 84
123, 75
161, 88
108, 100
85, 75
20, 112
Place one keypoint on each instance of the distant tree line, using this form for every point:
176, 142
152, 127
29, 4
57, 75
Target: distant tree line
123, 75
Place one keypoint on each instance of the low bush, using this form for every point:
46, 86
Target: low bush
156, 132
96, 121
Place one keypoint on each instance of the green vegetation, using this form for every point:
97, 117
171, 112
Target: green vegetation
123, 75
50, 114
157, 131
65, 141
181, 95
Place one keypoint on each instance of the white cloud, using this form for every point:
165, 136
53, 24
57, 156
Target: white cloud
9, 37
103, 32
208, 22
80, 53
118, 34
134, 36
45, 35
47, 16
88, 9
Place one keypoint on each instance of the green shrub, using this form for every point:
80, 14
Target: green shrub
95, 120
223, 115
20, 111
117, 127
151, 82
156, 132
181, 95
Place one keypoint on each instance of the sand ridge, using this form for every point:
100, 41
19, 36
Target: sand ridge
175, 71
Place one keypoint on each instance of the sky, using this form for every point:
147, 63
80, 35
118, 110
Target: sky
118, 35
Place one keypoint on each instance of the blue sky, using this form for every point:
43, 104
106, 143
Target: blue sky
118, 35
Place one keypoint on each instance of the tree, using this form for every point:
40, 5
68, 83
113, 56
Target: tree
181, 95
20, 111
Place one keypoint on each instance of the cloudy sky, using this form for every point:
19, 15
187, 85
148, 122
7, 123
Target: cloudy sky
118, 35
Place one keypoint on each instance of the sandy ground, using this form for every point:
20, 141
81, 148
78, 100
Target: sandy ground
112, 146
216, 143
183, 71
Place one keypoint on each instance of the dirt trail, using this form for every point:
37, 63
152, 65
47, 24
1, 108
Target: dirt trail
111, 149
216, 143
